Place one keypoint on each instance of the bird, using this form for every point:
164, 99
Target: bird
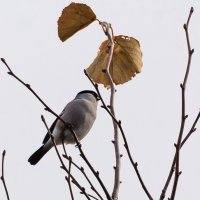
80, 114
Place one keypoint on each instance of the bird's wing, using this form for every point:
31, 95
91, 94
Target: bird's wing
46, 138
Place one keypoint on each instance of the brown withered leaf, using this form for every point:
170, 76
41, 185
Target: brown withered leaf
74, 17
126, 61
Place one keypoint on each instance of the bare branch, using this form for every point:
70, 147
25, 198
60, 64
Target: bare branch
95, 173
192, 130
81, 169
47, 108
69, 178
180, 142
92, 197
67, 125
184, 116
107, 29
134, 164
2, 175
62, 163
190, 51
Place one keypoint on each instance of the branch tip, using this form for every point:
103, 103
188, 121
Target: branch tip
3, 60
181, 85
96, 85
42, 117
108, 106
175, 145
97, 173
82, 169
4, 152
191, 51
70, 158
28, 85
194, 129
10, 73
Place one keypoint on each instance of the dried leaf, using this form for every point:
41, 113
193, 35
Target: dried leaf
125, 64
74, 17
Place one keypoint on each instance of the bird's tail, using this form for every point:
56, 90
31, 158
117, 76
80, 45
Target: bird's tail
35, 158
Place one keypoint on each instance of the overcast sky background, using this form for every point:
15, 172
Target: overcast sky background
149, 105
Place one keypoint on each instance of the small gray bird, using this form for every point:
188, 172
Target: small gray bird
80, 113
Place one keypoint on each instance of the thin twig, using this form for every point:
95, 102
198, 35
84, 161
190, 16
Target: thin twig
183, 115
64, 149
28, 86
92, 197
62, 163
81, 169
10, 72
2, 176
69, 178
134, 164
190, 51
95, 173
82, 189
192, 130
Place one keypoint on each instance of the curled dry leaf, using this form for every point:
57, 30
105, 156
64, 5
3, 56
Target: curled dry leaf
126, 61
74, 17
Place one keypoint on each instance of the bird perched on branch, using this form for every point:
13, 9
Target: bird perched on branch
80, 113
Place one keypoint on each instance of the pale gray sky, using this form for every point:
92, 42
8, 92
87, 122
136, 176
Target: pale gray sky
149, 105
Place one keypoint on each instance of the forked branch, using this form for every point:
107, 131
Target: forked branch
70, 176
81, 169
95, 173
180, 140
183, 115
192, 130
119, 124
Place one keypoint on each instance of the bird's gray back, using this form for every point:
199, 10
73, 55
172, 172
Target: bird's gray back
81, 114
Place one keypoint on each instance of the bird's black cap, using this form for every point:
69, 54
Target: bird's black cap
90, 92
